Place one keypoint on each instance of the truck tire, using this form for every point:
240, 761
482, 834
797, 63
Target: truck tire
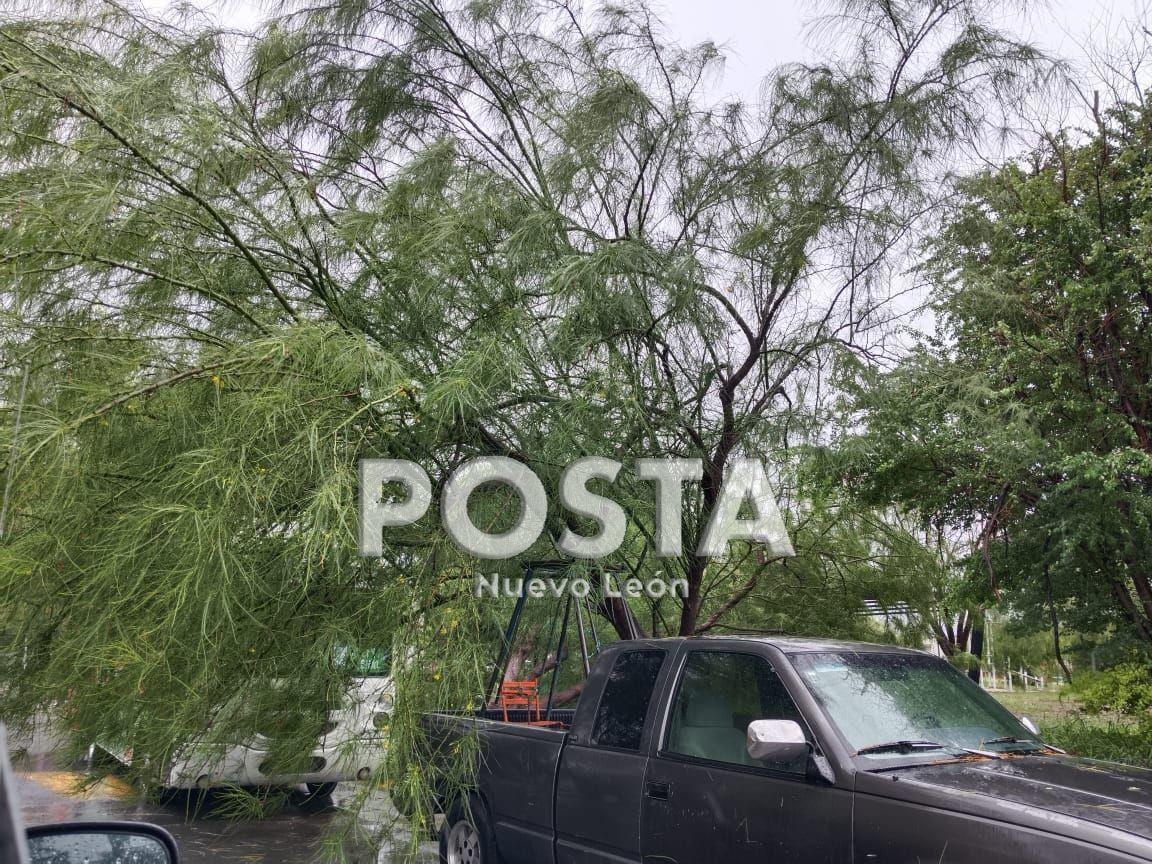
318, 796
466, 837
320, 790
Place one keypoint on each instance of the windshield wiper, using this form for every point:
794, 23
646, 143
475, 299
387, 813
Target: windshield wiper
897, 746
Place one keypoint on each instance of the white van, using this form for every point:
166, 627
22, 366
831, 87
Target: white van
351, 745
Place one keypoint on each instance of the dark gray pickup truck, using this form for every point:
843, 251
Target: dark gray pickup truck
685, 751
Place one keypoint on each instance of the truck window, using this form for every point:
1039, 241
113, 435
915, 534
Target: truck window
624, 705
719, 694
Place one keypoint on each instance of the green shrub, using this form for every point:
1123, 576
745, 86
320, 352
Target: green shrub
1126, 689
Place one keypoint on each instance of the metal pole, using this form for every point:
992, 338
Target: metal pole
506, 648
592, 627
583, 641
12, 450
559, 648
551, 633
633, 632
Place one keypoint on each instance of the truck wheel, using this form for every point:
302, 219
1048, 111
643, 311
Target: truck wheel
466, 837
317, 797
320, 790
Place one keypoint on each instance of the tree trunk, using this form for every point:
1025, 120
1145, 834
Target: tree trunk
1055, 620
620, 615
946, 644
690, 605
1141, 623
976, 644
569, 694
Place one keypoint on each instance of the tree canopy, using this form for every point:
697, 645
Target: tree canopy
1025, 424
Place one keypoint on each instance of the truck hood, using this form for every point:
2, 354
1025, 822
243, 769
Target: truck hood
1108, 794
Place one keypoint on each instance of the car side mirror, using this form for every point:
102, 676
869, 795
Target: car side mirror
101, 843
1029, 724
776, 740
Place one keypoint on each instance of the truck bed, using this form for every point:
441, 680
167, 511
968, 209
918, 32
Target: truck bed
517, 769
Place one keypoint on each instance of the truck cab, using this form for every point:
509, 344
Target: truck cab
783, 750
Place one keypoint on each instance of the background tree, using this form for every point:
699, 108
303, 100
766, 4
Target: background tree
1025, 425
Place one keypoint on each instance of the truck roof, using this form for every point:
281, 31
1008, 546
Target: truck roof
801, 644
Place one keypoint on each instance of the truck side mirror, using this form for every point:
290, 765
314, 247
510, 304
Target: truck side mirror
776, 740
1029, 724
101, 843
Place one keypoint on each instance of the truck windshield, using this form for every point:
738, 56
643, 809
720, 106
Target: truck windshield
889, 705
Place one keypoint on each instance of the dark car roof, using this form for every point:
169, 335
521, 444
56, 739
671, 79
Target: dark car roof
808, 644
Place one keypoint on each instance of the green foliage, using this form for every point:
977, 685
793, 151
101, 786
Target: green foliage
1014, 640
1125, 689
854, 555
1025, 424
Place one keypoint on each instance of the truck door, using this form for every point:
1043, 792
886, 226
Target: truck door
705, 799
600, 779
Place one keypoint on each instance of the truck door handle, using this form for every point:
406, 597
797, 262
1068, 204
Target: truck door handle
659, 791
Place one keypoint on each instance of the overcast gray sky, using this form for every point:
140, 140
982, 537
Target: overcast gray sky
759, 34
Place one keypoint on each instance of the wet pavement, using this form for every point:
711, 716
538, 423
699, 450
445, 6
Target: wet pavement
202, 826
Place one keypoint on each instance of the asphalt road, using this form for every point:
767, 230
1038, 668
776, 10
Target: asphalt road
204, 832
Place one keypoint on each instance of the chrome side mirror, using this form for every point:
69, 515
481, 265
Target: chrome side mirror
1029, 724
101, 843
776, 740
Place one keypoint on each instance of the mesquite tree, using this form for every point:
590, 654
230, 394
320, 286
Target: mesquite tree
234, 264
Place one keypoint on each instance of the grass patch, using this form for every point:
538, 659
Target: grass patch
1064, 724
1043, 706
1112, 741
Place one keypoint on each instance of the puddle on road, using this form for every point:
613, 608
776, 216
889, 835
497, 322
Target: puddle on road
76, 785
